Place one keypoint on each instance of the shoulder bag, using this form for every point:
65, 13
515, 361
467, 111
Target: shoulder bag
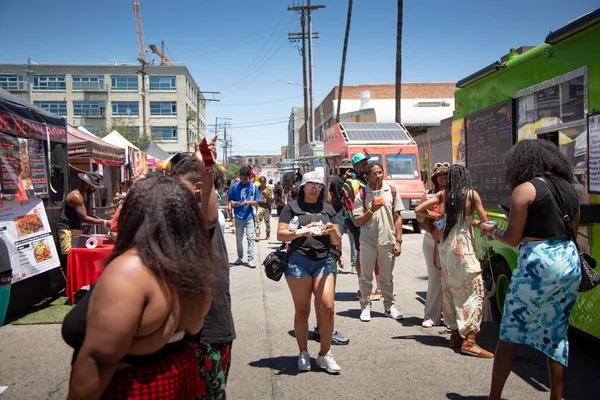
276, 262
589, 278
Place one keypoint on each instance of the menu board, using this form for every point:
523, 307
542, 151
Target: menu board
594, 153
25, 230
489, 137
23, 173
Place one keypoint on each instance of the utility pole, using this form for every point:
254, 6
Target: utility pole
225, 142
143, 73
306, 10
304, 79
399, 63
204, 100
344, 53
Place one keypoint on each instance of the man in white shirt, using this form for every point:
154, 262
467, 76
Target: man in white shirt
377, 209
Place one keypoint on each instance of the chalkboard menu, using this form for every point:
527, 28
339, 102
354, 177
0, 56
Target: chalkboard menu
489, 137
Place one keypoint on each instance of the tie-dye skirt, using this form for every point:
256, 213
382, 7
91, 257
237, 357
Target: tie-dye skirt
541, 295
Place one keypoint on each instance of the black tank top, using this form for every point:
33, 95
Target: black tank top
74, 327
544, 218
69, 218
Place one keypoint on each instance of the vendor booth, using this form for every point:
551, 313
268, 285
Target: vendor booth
135, 159
33, 183
155, 154
90, 153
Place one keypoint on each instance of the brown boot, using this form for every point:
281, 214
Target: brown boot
455, 339
471, 348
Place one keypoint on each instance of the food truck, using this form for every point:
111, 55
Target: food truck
549, 92
33, 181
389, 144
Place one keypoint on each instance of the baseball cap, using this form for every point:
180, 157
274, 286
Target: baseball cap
358, 157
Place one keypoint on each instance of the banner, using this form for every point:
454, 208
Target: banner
458, 142
10, 123
23, 173
25, 230
594, 153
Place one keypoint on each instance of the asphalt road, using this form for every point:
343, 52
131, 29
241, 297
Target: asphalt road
385, 359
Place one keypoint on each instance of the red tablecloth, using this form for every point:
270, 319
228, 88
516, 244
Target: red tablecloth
84, 267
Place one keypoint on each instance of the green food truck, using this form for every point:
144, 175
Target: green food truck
550, 92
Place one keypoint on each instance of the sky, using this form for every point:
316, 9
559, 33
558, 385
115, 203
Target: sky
240, 48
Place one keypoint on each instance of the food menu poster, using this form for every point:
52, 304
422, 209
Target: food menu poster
23, 173
26, 232
489, 137
594, 153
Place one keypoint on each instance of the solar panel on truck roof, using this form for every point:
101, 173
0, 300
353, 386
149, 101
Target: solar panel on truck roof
373, 131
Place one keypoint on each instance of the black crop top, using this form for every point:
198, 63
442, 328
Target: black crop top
74, 327
544, 218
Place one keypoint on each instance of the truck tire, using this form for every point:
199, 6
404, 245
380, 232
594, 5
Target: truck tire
502, 275
416, 226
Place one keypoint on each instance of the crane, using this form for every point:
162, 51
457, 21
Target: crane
164, 60
138, 30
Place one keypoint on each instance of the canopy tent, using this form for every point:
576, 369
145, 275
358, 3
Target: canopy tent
156, 154
135, 158
33, 165
84, 145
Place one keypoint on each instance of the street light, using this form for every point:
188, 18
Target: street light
296, 83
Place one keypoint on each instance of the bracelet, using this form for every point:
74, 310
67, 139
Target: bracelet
372, 212
494, 233
104, 222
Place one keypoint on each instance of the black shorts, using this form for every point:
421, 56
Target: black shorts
355, 230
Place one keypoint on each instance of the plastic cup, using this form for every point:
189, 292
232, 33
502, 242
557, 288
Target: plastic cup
493, 223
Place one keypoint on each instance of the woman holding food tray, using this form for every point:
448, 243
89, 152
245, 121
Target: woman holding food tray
310, 268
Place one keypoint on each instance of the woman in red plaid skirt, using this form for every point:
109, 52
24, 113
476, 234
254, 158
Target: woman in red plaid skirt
129, 333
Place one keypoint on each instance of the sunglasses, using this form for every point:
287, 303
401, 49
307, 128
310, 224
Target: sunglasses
442, 165
311, 185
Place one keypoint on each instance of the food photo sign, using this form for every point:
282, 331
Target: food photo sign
25, 229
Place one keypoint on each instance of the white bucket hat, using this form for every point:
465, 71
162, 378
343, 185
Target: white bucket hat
313, 177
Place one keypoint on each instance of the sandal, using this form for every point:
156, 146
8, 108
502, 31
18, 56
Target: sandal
471, 348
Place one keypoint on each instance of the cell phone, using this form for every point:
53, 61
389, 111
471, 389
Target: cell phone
440, 223
505, 209
207, 156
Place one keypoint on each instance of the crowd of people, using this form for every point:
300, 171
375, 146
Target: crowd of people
158, 322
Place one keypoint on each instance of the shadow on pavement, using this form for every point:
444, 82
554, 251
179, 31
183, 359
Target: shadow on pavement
355, 314
435, 341
411, 321
284, 365
345, 296
456, 396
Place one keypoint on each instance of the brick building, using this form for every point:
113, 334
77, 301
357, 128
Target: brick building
422, 105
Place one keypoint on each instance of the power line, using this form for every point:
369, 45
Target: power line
263, 102
255, 126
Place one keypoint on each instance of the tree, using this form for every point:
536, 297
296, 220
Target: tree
127, 130
233, 171
399, 62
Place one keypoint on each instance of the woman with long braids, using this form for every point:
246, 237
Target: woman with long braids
433, 301
286, 192
543, 288
462, 284
129, 333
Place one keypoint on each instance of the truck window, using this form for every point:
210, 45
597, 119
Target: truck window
373, 158
401, 166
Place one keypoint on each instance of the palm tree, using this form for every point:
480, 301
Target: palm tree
348, 20
399, 62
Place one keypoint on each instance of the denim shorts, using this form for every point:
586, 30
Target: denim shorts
302, 267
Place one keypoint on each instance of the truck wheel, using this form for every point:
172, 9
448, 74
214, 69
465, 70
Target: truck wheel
502, 275
416, 226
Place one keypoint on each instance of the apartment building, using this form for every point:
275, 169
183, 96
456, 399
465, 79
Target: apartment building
107, 96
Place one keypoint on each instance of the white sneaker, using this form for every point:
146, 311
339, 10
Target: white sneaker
328, 363
365, 314
427, 323
251, 264
238, 262
304, 361
394, 313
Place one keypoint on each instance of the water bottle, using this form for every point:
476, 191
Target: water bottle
293, 225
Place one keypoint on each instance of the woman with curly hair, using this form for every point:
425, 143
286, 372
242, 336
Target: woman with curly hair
129, 333
462, 284
543, 288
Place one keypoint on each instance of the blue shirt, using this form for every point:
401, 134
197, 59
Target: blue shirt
240, 192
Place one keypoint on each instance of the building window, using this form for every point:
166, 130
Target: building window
88, 108
49, 82
163, 108
269, 161
88, 82
165, 133
162, 83
55, 107
12, 82
130, 131
125, 108
124, 82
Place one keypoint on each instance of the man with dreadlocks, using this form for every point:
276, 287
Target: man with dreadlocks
462, 284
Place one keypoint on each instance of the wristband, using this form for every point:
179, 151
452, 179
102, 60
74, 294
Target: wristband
372, 212
104, 222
